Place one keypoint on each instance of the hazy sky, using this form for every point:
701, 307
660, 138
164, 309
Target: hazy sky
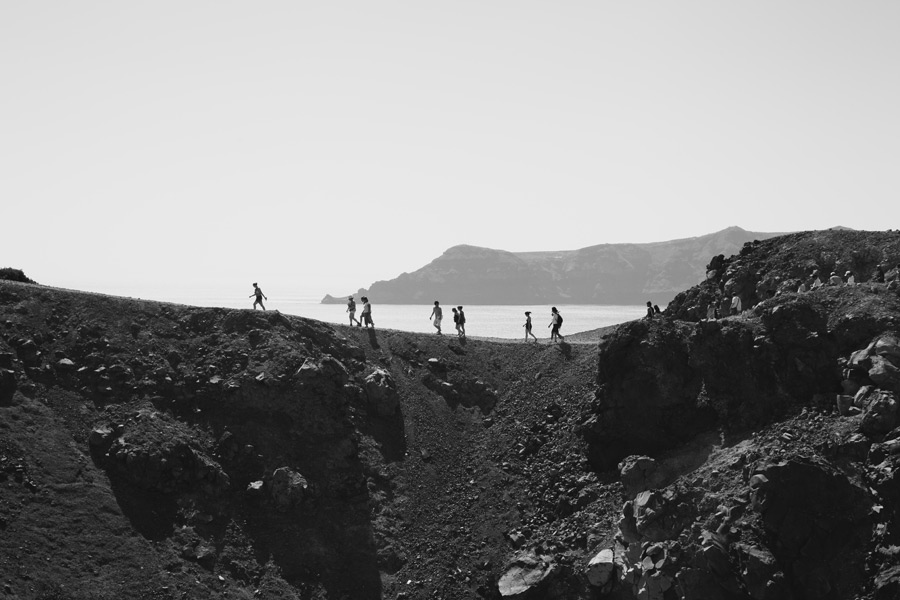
327, 145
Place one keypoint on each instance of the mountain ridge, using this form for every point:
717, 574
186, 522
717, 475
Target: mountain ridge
616, 273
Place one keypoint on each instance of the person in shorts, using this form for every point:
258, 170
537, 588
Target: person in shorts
527, 326
367, 313
437, 313
351, 308
258, 293
554, 325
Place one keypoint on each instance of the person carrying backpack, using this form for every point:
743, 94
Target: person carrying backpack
462, 322
556, 321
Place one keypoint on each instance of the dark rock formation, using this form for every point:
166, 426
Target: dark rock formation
763, 269
9, 274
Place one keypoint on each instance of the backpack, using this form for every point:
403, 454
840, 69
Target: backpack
559, 320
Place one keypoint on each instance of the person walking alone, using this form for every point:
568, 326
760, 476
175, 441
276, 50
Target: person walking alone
438, 313
351, 308
258, 293
527, 326
556, 322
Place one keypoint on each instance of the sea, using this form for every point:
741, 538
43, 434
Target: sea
495, 321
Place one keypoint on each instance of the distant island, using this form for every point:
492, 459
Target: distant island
624, 274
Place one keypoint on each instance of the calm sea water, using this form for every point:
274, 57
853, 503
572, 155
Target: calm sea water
499, 321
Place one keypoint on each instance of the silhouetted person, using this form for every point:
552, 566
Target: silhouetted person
527, 326
462, 321
367, 313
456, 322
555, 323
649, 310
258, 293
351, 308
438, 313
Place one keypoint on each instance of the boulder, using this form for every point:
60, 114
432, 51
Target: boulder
884, 374
656, 515
524, 576
888, 346
860, 360
879, 414
287, 488
382, 393
759, 571
640, 473
605, 569
860, 399
327, 369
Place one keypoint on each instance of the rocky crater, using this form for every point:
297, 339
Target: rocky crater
150, 450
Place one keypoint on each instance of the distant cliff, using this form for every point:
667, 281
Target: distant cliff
602, 274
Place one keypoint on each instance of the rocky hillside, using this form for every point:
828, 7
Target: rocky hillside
763, 269
602, 274
152, 450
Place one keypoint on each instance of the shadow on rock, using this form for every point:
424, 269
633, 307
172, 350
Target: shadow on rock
373, 339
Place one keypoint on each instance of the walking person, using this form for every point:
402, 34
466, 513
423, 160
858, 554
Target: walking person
367, 313
351, 308
456, 322
527, 326
462, 322
438, 314
556, 321
258, 293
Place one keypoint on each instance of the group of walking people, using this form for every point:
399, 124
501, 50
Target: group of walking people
459, 319
437, 316
366, 313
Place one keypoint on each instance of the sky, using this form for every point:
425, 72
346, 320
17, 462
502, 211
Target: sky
323, 146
